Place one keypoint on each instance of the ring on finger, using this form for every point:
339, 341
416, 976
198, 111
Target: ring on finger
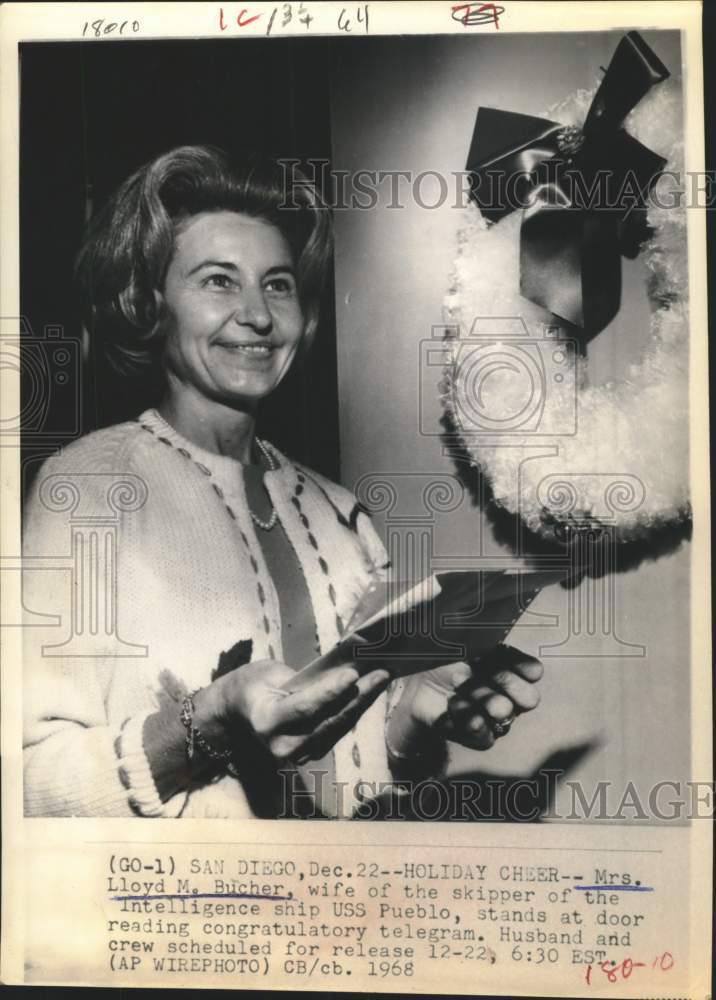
502, 727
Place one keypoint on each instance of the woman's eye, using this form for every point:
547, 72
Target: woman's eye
281, 286
218, 281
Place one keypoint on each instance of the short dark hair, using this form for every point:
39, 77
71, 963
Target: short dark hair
123, 261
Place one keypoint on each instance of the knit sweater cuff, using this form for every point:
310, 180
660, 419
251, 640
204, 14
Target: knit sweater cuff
136, 775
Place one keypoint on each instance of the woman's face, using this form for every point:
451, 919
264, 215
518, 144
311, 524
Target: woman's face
233, 318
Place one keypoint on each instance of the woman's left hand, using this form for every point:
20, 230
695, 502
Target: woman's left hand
471, 706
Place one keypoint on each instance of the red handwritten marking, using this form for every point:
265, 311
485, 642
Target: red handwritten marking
478, 14
622, 970
241, 20
249, 20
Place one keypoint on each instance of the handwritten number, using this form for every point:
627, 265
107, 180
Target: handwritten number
344, 22
287, 15
609, 971
304, 17
624, 969
98, 28
362, 16
288, 12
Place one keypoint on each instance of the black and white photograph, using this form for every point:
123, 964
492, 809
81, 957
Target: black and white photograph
485, 388
357, 468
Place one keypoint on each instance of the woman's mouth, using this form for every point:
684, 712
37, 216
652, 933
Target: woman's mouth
253, 350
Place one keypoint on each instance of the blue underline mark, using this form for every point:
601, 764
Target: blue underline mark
618, 888
200, 895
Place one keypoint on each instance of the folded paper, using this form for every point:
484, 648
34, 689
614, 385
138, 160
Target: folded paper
445, 618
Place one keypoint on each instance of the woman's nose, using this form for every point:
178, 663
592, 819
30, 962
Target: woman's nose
253, 311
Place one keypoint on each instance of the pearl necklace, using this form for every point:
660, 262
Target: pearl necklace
273, 465
265, 525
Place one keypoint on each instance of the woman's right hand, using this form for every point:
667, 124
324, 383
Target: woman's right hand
294, 727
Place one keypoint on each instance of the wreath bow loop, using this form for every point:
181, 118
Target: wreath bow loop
583, 190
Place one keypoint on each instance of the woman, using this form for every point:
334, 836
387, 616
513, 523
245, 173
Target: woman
234, 562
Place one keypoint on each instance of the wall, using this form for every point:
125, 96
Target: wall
409, 104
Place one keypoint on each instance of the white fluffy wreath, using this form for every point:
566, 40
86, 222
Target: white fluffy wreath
637, 424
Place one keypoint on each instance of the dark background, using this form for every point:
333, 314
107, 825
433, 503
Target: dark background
90, 115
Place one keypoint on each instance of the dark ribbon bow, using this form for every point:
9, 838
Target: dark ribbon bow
583, 190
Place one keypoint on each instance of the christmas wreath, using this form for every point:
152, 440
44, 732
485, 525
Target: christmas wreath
537, 277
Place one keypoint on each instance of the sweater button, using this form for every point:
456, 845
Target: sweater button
355, 754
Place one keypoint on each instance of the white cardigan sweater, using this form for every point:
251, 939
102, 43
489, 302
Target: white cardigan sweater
191, 581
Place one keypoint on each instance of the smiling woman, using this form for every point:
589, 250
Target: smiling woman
233, 318
228, 565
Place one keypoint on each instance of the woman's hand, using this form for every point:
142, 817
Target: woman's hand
296, 727
470, 706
